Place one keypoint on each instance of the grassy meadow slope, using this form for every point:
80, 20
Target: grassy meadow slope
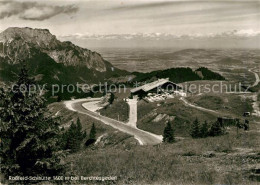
228, 159
226, 103
119, 110
152, 117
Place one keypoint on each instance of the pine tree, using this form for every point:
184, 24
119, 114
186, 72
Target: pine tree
81, 134
59, 98
111, 99
92, 133
92, 136
204, 130
29, 135
168, 134
71, 138
216, 129
74, 136
195, 129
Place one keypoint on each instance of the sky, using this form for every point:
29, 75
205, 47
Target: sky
100, 21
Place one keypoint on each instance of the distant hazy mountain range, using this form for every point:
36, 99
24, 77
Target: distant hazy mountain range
232, 39
49, 59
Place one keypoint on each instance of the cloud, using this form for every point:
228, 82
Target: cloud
33, 10
238, 34
144, 5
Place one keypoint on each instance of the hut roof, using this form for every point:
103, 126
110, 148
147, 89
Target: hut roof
152, 85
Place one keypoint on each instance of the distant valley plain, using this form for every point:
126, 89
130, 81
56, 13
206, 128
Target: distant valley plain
233, 64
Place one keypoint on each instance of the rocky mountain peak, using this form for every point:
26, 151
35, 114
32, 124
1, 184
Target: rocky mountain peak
25, 31
41, 37
20, 43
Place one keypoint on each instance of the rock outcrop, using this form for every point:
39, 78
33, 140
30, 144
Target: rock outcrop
17, 44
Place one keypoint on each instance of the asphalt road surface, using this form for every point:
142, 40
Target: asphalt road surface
143, 137
132, 112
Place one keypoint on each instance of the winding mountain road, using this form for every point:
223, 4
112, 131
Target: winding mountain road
255, 106
198, 107
143, 137
254, 97
257, 79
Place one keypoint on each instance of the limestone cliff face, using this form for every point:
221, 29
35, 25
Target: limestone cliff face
17, 44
